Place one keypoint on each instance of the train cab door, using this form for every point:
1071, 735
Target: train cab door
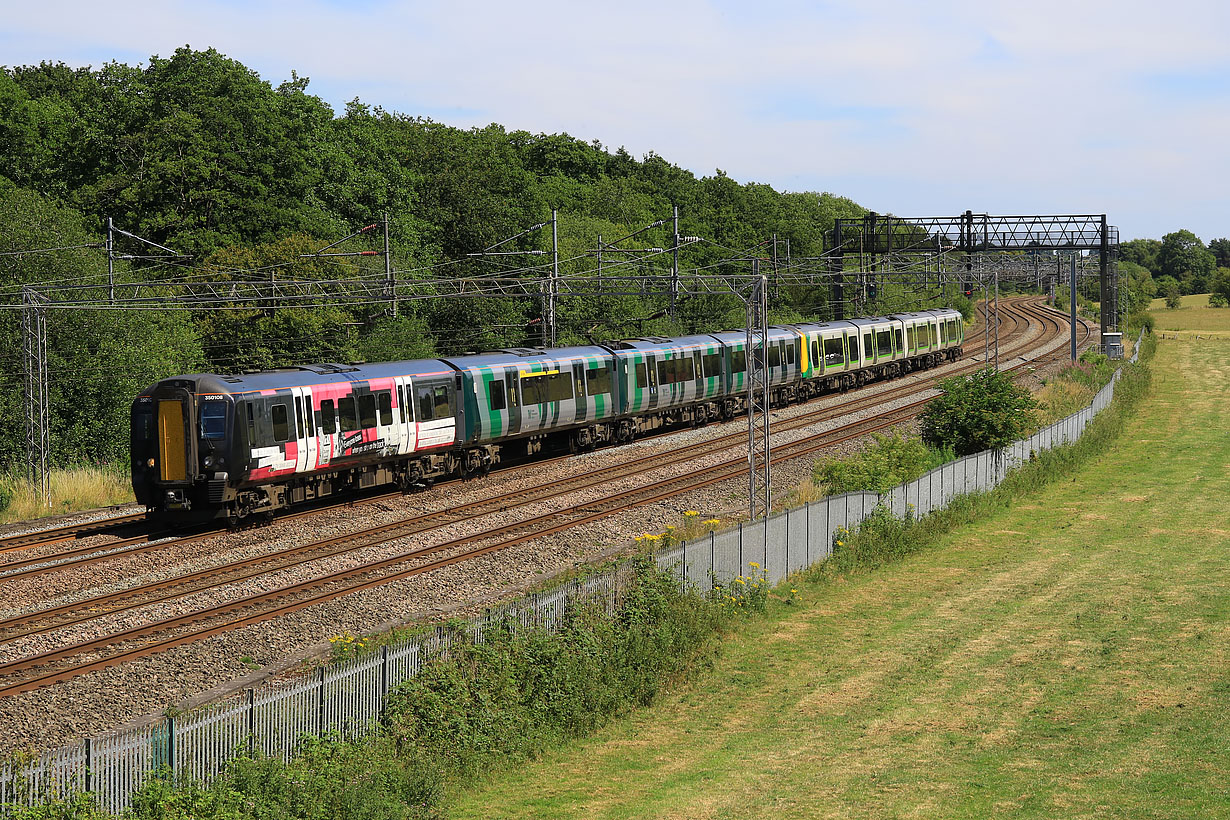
307, 446
173, 441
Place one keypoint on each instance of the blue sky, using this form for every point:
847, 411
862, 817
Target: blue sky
919, 109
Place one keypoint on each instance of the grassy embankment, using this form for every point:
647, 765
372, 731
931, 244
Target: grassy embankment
1064, 656
79, 488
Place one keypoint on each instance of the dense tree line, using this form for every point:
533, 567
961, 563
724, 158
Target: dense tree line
1180, 263
198, 153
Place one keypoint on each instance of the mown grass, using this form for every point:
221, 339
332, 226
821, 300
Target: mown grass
72, 490
1063, 656
1194, 315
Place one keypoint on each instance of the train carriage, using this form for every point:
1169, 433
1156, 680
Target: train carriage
527, 394
205, 445
237, 447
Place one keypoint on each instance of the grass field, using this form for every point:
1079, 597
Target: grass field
1194, 315
1067, 657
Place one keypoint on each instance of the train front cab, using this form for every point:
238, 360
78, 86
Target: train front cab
164, 448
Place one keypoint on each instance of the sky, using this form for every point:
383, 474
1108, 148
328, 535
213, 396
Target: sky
911, 108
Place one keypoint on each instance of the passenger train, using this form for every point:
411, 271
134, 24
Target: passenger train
242, 447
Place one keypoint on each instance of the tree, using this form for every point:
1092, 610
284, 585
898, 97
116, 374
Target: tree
1219, 288
1220, 248
981, 411
1185, 257
1142, 252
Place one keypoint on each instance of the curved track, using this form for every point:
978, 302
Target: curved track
67, 661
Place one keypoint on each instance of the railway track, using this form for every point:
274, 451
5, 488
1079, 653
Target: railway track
162, 539
272, 604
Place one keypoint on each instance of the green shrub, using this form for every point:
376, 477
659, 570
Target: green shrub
521, 690
980, 411
884, 463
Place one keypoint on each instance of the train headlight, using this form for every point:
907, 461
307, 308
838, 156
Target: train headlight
208, 461
149, 462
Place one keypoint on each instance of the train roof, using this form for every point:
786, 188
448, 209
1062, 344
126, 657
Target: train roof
517, 356
309, 375
662, 342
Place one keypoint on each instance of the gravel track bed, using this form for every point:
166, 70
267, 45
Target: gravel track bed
96, 702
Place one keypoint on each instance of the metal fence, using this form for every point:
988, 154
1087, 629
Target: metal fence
346, 698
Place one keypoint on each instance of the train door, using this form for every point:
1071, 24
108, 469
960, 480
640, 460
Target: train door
405, 432
172, 443
581, 403
307, 446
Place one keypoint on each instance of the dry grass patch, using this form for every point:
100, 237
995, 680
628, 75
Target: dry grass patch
72, 490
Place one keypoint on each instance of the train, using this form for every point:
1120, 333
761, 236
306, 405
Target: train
243, 447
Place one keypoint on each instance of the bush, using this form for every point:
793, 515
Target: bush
522, 690
881, 465
981, 411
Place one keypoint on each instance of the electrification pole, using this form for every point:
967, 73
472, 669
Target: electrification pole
760, 493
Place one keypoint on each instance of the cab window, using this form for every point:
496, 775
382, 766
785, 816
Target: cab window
213, 420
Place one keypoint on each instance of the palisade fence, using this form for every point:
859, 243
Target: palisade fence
345, 699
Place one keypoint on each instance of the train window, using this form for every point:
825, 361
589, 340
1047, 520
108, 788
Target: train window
775, 354
738, 361
815, 351
666, 372
674, 371
143, 424
578, 380
426, 407
385, 400
924, 336
909, 336
281, 423
791, 354
900, 339
712, 365
251, 424
598, 381
401, 404
853, 340
367, 410
495, 394
513, 401
867, 344
697, 369
832, 352
328, 418
311, 416
348, 413
534, 389
641, 381
442, 409
884, 343
559, 387
953, 333
299, 422
213, 420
